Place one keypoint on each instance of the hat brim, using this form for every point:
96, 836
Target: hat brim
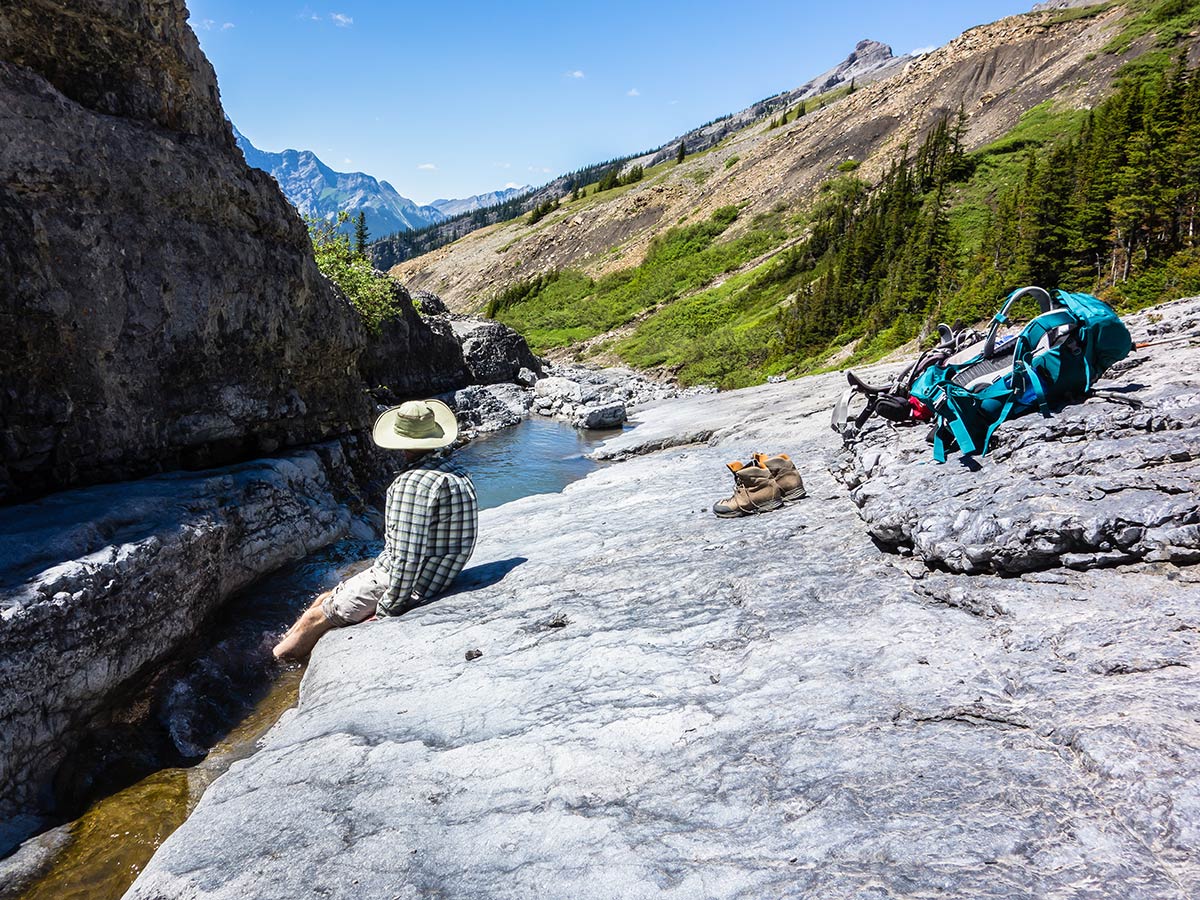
384, 433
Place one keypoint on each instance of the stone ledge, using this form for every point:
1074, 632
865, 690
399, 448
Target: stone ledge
99, 583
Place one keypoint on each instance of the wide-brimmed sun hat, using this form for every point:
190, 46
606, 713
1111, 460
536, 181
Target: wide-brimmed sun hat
416, 425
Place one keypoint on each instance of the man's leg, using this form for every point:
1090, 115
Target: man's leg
303, 636
354, 600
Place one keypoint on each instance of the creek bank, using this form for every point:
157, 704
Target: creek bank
100, 584
668, 704
585, 397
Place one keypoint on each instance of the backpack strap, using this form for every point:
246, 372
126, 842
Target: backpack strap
1039, 327
966, 443
1045, 302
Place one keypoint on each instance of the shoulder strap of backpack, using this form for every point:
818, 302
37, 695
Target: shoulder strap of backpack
1038, 328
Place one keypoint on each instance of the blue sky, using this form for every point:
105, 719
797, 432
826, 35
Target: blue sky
450, 99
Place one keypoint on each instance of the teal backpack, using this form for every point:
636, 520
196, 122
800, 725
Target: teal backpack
1054, 360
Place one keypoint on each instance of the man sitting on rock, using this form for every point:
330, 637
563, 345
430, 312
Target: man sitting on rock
431, 521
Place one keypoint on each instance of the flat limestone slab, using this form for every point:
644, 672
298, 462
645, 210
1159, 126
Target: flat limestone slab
672, 705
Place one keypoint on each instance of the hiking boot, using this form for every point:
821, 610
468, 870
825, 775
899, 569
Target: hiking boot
755, 492
784, 473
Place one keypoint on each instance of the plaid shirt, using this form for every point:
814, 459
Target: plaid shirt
432, 517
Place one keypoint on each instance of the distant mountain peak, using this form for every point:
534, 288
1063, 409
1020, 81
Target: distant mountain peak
870, 60
317, 190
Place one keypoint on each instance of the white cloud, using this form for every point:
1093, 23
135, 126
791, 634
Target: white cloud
206, 24
500, 165
427, 167
575, 73
227, 26
543, 169
341, 20
633, 92
347, 161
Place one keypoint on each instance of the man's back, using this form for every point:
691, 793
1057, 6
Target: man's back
432, 518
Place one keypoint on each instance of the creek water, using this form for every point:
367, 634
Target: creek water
139, 775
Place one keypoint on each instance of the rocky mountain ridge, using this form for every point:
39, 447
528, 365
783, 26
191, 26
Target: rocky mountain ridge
994, 72
317, 190
450, 208
1065, 4
869, 61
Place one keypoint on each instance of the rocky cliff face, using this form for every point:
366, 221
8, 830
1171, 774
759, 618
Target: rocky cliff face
795, 704
160, 302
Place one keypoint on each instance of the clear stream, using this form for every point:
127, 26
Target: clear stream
139, 777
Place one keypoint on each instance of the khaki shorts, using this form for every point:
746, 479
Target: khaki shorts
356, 599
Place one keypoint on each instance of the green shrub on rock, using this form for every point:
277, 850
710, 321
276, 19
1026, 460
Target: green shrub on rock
370, 292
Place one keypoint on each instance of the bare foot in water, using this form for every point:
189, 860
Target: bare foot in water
299, 640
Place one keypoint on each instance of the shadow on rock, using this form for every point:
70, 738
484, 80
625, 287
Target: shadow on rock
485, 575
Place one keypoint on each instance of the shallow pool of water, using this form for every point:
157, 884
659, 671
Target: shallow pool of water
539, 456
145, 772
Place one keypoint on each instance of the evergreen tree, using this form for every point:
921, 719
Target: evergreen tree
610, 179
681, 154
360, 233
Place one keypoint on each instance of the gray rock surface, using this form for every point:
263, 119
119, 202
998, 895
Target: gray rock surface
1100, 484
98, 583
607, 415
668, 704
493, 353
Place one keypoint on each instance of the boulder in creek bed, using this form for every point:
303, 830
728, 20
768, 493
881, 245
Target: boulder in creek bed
489, 407
672, 704
610, 415
558, 389
493, 353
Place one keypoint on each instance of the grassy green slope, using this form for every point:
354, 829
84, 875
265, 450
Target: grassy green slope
732, 332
